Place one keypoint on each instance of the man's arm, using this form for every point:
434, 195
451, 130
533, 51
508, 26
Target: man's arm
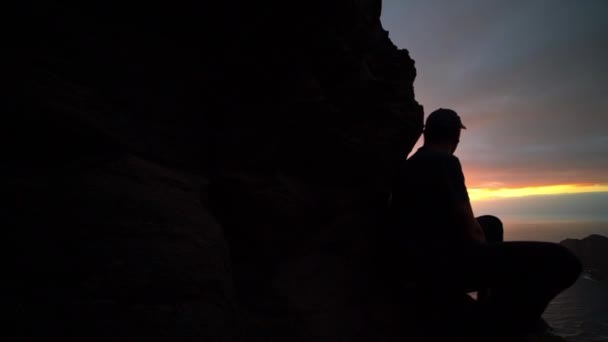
463, 210
472, 227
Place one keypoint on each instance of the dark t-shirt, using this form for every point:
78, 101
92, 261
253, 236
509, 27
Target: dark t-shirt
428, 188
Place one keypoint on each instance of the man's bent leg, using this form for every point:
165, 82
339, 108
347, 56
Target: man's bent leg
493, 231
526, 276
492, 228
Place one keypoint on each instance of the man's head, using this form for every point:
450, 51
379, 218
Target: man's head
443, 128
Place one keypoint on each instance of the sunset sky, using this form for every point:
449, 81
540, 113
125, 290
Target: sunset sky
530, 80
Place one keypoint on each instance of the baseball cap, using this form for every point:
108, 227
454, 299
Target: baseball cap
445, 118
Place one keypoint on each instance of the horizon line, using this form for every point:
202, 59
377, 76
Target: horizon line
481, 194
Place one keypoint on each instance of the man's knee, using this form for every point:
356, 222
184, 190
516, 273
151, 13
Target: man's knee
492, 228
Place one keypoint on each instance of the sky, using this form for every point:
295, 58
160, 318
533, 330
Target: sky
530, 81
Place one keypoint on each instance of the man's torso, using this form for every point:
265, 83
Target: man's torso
429, 187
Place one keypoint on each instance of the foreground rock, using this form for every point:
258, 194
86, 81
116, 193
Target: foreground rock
120, 249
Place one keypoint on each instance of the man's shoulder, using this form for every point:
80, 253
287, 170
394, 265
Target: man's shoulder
426, 155
427, 163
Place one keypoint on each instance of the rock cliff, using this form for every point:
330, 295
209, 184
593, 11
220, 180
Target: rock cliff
203, 170
593, 253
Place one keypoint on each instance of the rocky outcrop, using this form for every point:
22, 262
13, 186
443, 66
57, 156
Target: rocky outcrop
104, 250
206, 170
593, 253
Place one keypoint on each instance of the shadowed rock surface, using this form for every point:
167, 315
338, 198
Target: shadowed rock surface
204, 171
593, 253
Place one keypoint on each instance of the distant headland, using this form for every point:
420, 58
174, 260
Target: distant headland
593, 252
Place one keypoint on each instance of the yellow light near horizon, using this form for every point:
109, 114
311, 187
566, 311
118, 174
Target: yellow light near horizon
483, 194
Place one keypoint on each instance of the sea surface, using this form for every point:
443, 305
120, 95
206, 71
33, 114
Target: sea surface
579, 314
552, 229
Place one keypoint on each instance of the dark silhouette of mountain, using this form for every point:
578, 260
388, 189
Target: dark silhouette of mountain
593, 253
203, 171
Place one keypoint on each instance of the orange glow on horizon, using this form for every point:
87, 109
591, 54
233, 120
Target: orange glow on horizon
480, 194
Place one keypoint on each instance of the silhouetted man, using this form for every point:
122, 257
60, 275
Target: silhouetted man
448, 250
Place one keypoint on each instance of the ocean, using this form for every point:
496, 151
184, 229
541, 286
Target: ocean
553, 229
579, 314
